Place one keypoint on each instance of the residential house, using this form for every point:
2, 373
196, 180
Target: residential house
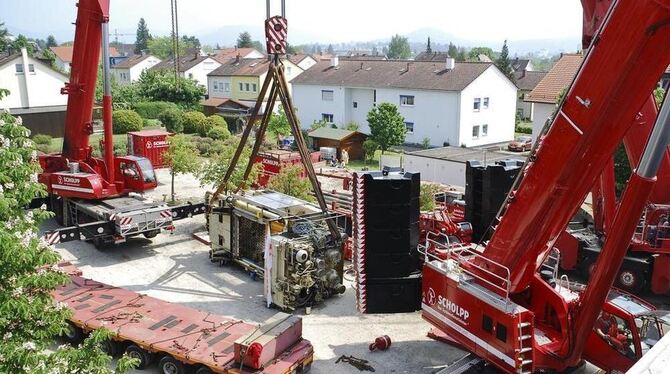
458, 103
526, 81
222, 55
241, 79
304, 61
192, 66
519, 65
64, 56
546, 94
34, 92
351, 141
129, 70
432, 56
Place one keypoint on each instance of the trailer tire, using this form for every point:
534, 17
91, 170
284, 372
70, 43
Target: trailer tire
170, 365
56, 205
145, 358
151, 234
630, 279
204, 370
111, 347
99, 243
73, 334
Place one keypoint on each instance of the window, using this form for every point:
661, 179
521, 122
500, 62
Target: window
477, 104
406, 100
501, 332
327, 117
246, 86
327, 95
241, 87
487, 323
19, 68
409, 127
226, 87
486, 103
616, 332
355, 104
31, 68
254, 87
216, 85
485, 130
475, 132
190, 75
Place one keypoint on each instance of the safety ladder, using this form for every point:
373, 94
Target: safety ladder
524, 354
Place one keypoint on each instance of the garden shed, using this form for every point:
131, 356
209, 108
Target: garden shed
351, 141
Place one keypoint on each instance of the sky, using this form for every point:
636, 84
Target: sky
324, 21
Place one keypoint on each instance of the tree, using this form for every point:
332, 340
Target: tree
160, 85
51, 41
351, 126
474, 53
387, 126
244, 40
331, 51
4, 43
427, 196
258, 46
22, 42
659, 94
370, 147
30, 320
278, 125
163, 47
399, 48
428, 48
290, 181
504, 64
182, 158
190, 42
213, 171
142, 37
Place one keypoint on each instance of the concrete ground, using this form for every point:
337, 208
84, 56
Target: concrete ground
176, 268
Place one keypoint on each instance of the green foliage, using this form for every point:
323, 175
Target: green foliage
523, 129
278, 125
30, 321
659, 94
160, 85
399, 48
216, 120
173, 120
212, 172
181, 157
195, 122
124, 121
218, 133
622, 169
473, 54
42, 139
142, 37
290, 181
152, 109
425, 143
4, 93
163, 47
352, 126
387, 126
22, 42
427, 196
370, 147
319, 124
51, 41
244, 40
504, 64
4, 42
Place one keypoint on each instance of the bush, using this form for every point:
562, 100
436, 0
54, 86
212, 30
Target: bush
42, 139
124, 121
523, 129
217, 147
43, 148
218, 133
370, 147
425, 144
216, 120
195, 122
203, 148
153, 109
173, 120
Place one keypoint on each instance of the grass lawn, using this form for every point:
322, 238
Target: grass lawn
371, 165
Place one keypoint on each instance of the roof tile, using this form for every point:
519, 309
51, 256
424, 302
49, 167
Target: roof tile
556, 80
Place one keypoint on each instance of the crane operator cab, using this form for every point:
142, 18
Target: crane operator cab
137, 173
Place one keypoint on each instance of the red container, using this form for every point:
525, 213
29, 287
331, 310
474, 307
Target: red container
273, 161
150, 144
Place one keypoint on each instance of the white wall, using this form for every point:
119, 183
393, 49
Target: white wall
307, 100
542, 113
525, 106
136, 71
221, 86
121, 75
499, 116
199, 72
42, 88
436, 170
307, 63
364, 97
65, 66
254, 54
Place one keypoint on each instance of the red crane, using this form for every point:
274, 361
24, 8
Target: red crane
494, 300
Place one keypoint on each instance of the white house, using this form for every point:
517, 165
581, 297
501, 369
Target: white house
304, 61
192, 66
31, 82
224, 54
445, 103
547, 92
64, 56
129, 70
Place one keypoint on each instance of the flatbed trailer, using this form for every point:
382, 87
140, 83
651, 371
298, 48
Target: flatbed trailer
113, 221
181, 338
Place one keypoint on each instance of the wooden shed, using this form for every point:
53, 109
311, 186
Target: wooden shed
352, 141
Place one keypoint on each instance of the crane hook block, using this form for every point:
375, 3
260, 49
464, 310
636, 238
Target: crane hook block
275, 35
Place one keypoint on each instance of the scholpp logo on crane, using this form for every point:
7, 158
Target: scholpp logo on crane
452, 308
430, 297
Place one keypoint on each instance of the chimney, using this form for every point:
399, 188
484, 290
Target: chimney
451, 63
26, 74
237, 58
334, 61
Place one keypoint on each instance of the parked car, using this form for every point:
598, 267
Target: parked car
521, 144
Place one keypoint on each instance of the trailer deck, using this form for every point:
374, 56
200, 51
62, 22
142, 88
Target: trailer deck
191, 336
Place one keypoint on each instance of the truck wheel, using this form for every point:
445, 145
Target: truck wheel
586, 267
630, 279
56, 205
111, 347
151, 234
73, 334
145, 358
170, 365
204, 370
99, 243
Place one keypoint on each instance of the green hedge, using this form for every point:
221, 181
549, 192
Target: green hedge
195, 122
42, 139
218, 133
152, 109
173, 120
524, 129
124, 121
